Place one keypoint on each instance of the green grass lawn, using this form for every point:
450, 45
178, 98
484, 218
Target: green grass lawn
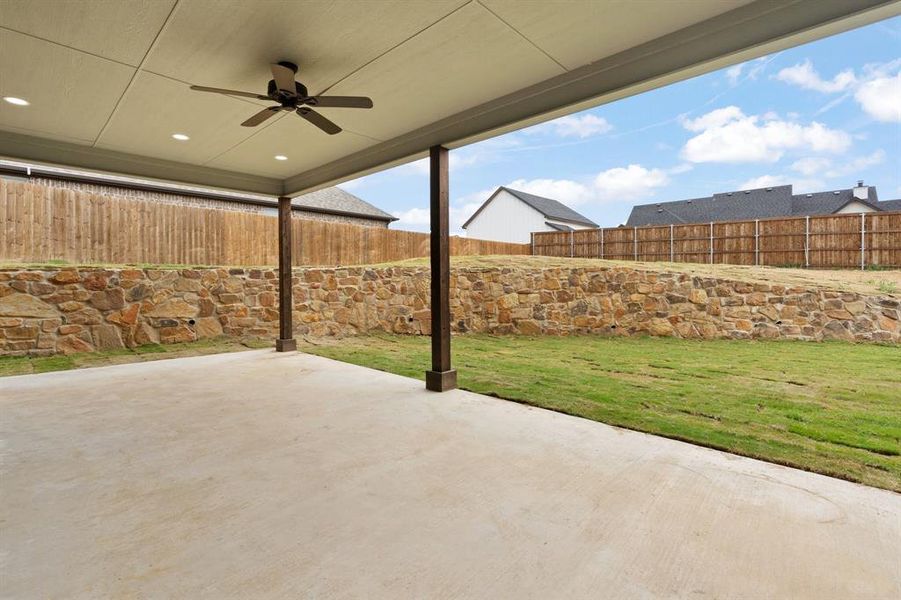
25, 365
831, 408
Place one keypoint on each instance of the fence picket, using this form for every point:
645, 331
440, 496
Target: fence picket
839, 241
91, 228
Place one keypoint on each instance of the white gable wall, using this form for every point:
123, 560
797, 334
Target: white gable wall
508, 219
855, 207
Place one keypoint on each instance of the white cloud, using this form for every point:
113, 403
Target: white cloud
824, 167
727, 135
414, 217
855, 166
629, 183
715, 118
880, 98
619, 184
763, 181
755, 67
680, 168
734, 72
805, 76
877, 89
811, 165
580, 126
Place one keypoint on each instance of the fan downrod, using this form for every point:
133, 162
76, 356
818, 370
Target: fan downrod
286, 99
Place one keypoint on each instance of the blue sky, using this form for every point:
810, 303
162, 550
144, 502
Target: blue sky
818, 116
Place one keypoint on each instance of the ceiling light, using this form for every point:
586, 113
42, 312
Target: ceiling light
281, 157
16, 101
180, 137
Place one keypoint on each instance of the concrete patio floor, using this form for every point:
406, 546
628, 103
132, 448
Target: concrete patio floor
264, 475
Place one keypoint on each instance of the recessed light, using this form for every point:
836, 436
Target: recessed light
180, 137
281, 157
16, 101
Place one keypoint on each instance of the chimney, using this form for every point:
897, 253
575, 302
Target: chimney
861, 192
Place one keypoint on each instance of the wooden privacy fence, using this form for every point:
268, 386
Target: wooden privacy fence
40, 223
831, 241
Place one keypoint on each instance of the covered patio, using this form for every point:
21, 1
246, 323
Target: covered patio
266, 474
221, 476
124, 89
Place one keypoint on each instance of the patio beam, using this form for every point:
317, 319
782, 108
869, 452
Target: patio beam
285, 341
441, 378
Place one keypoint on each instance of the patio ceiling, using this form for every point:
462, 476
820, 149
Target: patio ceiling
108, 81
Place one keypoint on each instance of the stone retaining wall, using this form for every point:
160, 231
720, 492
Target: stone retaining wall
82, 309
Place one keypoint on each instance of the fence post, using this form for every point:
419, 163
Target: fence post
600, 242
807, 241
863, 243
671, 254
571, 244
532, 242
711, 242
756, 243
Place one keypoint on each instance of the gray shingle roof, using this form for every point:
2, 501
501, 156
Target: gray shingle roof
825, 203
336, 200
551, 209
890, 205
558, 226
761, 203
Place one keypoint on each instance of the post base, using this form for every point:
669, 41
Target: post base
441, 381
289, 345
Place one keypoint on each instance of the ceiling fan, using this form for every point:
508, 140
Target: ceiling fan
292, 96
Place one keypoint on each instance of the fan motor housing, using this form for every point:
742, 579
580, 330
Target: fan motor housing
280, 96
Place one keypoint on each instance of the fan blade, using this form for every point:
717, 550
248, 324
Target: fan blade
200, 88
341, 101
261, 116
284, 78
318, 120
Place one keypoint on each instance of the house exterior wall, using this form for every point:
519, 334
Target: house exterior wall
855, 207
508, 219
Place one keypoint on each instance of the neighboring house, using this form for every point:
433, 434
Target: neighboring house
329, 204
762, 203
511, 216
335, 204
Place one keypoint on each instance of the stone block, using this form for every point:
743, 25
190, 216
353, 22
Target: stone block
176, 335
208, 327
71, 344
126, 316
23, 305
107, 337
175, 308
64, 277
110, 299
22, 332
528, 327
95, 280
